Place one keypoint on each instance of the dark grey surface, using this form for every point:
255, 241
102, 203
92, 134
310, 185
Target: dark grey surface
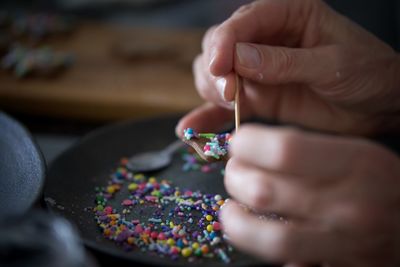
52, 145
73, 177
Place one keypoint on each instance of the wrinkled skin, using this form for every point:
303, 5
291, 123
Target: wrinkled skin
303, 63
341, 194
316, 68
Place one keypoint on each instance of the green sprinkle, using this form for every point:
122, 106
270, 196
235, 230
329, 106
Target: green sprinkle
207, 135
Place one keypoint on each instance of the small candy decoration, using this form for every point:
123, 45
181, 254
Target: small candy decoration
179, 224
209, 146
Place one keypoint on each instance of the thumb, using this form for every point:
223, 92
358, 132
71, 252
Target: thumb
281, 65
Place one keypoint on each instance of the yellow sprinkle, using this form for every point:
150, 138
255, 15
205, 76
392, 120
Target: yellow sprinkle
107, 232
209, 218
195, 245
171, 241
186, 252
221, 202
138, 176
152, 180
210, 228
110, 189
132, 187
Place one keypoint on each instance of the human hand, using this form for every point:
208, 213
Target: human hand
301, 63
341, 194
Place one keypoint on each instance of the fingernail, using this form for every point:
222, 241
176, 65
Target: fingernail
213, 54
228, 105
221, 83
248, 55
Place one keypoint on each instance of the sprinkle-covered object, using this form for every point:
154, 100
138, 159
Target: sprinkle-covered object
178, 223
40, 61
209, 146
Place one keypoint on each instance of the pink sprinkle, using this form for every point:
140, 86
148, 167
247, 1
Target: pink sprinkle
174, 250
154, 235
138, 229
127, 202
161, 236
216, 226
151, 198
108, 210
205, 168
188, 193
141, 186
206, 148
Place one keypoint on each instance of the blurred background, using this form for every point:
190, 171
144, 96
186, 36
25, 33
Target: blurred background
74, 65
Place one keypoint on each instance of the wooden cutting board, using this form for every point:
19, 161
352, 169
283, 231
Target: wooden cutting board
106, 82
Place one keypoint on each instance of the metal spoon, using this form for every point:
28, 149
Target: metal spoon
154, 160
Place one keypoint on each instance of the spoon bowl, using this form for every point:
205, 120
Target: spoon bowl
154, 160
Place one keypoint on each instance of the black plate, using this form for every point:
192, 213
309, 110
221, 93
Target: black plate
73, 176
22, 168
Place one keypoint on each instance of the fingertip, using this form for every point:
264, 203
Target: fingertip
230, 87
181, 125
221, 51
205, 118
218, 65
228, 217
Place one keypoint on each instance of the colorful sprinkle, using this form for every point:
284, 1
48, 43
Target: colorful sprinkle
181, 223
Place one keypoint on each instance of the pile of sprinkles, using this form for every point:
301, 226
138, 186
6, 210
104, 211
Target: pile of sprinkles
193, 162
216, 145
180, 223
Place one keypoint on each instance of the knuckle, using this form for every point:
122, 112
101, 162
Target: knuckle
286, 145
365, 217
338, 54
374, 159
283, 64
258, 196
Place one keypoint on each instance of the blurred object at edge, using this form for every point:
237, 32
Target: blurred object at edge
40, 239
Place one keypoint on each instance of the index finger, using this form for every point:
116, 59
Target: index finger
206, 118
266, 21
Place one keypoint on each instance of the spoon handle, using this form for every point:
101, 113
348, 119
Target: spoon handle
171, 148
